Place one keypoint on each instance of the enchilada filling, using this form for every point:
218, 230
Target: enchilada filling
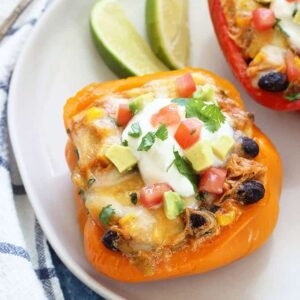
165, 166
268, 33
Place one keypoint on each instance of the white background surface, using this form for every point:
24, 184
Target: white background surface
59, 60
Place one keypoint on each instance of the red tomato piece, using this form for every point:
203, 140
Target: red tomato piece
124, 115
188, 132
185, 86
263, 19
168, 115
212, 181
152, 195
293, 70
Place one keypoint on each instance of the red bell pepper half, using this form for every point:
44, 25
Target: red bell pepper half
233, 54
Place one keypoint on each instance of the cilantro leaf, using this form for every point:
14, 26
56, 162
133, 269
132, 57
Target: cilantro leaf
135, 130
180, 101
106, 213
210, 114
147, 141
162, 132
292, 93
133, 198
91, 181
133, 107
184, 168
279, 27
125, 143
201, 196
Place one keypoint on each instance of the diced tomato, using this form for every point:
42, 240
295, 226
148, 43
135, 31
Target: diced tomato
188, 132
263, 19
293, 71
185, 86
212, 181
152, 195
124, 115
168, 115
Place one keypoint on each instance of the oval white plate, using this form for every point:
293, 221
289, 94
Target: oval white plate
60, 59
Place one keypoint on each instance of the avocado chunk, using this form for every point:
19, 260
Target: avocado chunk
222, 146
140, 102
206, 93
200, 155
173, 205
121, 157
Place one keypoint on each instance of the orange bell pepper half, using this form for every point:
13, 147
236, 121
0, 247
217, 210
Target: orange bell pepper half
241, 238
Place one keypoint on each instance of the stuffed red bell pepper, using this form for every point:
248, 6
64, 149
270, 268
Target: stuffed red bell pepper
261, 41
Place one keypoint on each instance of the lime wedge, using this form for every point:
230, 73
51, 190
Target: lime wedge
168, 32
121, 47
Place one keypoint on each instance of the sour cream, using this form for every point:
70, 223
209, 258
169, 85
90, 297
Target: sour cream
284, 11
155, 165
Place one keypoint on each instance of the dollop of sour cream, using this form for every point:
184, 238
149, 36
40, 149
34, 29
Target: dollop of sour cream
155, 165
284, 11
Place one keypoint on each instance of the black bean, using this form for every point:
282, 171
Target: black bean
110, 240
197, 220
250, 192
273, 82
250, 147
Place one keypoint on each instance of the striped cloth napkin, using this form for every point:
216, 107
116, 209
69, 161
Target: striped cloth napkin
26, 267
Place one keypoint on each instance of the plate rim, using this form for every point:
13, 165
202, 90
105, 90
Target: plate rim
87, 279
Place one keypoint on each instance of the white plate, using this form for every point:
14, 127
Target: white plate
60, 59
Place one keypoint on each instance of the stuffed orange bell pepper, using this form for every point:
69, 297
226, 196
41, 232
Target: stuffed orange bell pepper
261, 42
171, 176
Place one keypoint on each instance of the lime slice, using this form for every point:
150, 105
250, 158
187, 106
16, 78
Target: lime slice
168, 32
121, 47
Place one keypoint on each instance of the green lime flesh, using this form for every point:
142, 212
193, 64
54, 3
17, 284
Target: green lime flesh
121, 47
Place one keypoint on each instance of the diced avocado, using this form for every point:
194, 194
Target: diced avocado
296, 18
121, 157
206, 93
173, 205
140, 102
222, 146
200, 155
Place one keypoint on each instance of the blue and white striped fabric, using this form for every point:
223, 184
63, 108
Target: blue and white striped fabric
26, 269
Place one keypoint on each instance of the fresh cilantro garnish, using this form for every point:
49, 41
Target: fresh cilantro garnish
133, 107
278, 26
201, 196
125, 143
135, 130
180, 101
294, 12
133, 198
91, 181
106, 213
292, 93
162, 132
147, 141
210, 114
185, 168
